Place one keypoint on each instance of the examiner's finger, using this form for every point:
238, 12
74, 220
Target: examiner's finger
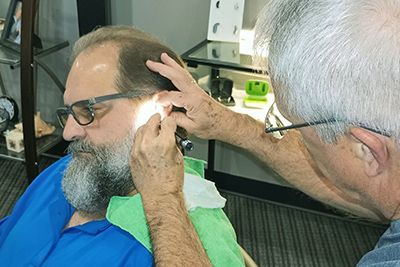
152, 127
179, 76
168, 128
175, 98
183, 121
166, 71
146, 133
169, 60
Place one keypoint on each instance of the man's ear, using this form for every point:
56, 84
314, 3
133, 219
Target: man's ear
163, 109
372, 149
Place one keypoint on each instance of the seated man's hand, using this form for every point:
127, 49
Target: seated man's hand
204, 116
156, 162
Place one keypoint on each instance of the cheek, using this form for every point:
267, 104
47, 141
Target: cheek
113, 127
325, 159
334, 162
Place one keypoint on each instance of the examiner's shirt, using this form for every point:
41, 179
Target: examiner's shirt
387, 251
33, 234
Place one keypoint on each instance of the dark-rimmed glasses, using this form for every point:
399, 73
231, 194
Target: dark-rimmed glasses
82, 111
274, 124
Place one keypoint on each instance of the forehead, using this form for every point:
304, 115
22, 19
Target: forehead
92, 74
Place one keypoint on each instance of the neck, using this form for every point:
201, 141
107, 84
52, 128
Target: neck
386, 190
79, 218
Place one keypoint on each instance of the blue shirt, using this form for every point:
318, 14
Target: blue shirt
33, 234
387, 251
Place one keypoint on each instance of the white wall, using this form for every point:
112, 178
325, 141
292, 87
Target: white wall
180, 24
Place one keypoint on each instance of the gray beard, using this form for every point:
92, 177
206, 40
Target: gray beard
96, 175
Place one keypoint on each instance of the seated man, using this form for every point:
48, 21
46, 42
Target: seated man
60, 219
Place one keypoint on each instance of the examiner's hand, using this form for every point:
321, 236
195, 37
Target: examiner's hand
204, 116
156, 162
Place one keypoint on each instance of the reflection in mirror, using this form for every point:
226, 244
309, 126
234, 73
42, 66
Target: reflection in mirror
14, 34
11, 34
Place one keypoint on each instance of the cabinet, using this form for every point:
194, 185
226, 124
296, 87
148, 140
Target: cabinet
225, 59
27, 59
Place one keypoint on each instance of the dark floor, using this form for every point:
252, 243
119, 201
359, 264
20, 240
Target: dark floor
272, 233
277, 235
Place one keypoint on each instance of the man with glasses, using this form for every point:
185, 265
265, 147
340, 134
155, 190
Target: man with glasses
335, 71
60, 219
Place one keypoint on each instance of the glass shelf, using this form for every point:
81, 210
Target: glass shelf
43, 144
220, 55
10, 55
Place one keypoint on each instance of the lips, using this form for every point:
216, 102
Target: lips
81, 153
81, 147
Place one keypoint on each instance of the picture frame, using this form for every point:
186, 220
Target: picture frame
11, 34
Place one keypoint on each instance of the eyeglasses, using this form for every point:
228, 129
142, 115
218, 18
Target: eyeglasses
83, 111
274, 124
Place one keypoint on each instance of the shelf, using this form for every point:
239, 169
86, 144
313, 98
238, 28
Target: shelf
220, 55
42, 144
11, 55
8, 56
239, 95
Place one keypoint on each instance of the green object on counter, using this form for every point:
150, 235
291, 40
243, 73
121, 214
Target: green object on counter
256, 91
256, 88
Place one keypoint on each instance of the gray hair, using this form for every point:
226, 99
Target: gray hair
335, 59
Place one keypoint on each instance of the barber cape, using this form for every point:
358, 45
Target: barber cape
204, 204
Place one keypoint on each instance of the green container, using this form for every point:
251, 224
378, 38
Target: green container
256, 87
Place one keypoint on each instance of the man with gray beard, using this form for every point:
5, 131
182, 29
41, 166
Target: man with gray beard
91, 180
86, 210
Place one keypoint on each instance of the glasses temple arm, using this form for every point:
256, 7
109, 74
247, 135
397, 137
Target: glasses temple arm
296, 126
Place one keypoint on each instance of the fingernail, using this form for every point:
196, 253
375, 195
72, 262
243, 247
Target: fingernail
149, 62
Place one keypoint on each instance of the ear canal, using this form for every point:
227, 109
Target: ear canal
367, 153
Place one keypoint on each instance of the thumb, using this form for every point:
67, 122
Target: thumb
182, 120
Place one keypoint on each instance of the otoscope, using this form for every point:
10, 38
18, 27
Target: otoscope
185, 143
150, 107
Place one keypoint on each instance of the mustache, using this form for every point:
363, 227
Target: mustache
82, 146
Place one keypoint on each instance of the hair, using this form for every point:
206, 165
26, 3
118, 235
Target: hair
334, 60
135, 47
18, 6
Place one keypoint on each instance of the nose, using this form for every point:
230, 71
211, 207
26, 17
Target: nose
72, 130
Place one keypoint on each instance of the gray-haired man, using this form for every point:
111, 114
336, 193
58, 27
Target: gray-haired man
334, 66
